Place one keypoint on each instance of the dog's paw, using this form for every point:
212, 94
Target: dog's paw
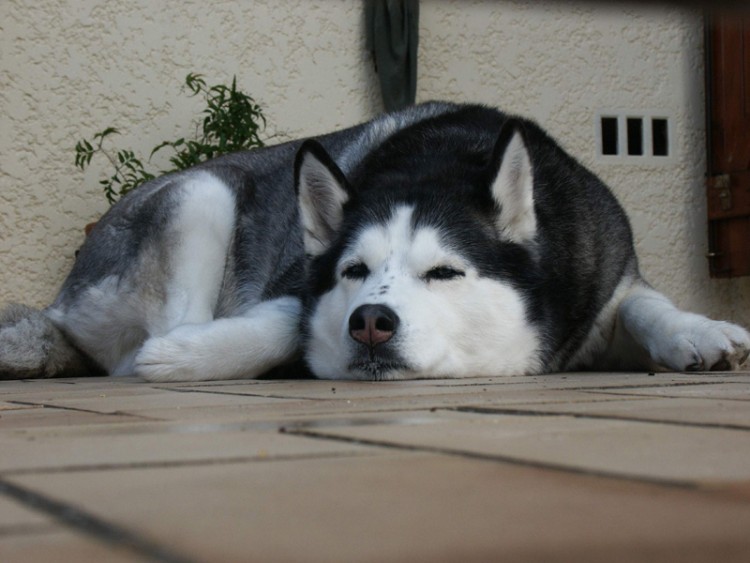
701, 344
178, 356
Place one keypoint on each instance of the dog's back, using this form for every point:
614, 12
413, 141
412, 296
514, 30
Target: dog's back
208, 243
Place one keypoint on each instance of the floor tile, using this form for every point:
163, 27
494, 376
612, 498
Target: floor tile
729, 390
6, 406
258, 408
572, 467
62, 546
16, 518
693, 410
326, 389
38, 417
406, 507
134, 399
102, 447
616, 447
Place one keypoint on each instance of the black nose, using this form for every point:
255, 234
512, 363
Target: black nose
373, 324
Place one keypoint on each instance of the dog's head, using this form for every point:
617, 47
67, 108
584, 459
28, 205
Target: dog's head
421, 263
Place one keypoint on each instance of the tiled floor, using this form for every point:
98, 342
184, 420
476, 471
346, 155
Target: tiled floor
573, 467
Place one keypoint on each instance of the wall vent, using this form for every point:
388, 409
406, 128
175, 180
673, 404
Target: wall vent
634, 136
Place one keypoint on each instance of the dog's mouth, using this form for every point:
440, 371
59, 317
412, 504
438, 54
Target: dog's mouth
378, 362
375, 369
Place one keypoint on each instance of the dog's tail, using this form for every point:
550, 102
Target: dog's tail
32, 347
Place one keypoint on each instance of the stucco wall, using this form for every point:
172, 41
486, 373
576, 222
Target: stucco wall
70, 67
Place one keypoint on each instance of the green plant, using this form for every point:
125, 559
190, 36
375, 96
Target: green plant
232, 121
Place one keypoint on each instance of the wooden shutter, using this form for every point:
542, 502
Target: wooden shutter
728, 141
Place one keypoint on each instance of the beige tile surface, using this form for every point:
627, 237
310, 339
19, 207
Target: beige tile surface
112, 446
364, 399
693, 410
516, 384
63, 546
39, 417
570, 468
133, 400
729, 390
405, 507
646, 450
17, 518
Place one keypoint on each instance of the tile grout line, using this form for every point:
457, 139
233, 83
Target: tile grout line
529, 412
260, 395
650, 385
23, 472
647, 396
671, 483
90, 525
591, 389
76, 409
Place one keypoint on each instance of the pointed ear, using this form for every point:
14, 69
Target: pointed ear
512, 185
322, 191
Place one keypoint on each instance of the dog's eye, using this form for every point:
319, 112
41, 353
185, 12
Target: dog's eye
440, 273
356, 271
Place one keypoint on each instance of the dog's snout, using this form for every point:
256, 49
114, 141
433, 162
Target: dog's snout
373, 324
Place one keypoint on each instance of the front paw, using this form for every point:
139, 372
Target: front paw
701, 344
170, 358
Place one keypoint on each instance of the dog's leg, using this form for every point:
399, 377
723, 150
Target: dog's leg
679, 340
201, 235
185, 342
180, 275
231, 348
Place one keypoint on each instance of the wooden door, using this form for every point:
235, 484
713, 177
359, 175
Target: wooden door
728, 140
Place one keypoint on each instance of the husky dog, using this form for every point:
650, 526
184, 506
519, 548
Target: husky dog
440, 241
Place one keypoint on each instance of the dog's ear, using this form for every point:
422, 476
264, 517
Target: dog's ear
512, 185
322, 191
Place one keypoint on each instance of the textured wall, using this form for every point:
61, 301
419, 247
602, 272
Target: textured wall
70, 67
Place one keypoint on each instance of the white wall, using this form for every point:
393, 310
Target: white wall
68, 68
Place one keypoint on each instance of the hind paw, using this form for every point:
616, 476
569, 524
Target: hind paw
701, 344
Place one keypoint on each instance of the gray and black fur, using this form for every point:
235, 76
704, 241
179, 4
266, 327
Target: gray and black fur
443, 166
577, 275
265, 259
